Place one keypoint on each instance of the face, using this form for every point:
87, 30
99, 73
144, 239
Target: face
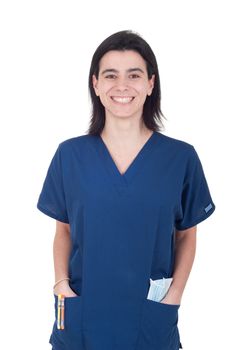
123, 84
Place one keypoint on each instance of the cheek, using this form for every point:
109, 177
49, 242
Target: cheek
106, 90
140, 88
142, 94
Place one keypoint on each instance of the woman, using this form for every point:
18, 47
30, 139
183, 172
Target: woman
127, 200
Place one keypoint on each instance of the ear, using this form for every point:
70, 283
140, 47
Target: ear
151, 83
94, 82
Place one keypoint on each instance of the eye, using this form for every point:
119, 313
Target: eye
110, 75
135, 75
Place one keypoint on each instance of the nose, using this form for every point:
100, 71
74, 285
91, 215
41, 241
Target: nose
122, 83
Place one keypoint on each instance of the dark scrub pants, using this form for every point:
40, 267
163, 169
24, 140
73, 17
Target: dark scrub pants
123, 233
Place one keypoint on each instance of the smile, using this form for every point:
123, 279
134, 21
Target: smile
123, 100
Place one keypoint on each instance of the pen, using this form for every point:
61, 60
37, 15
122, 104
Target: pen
60, 311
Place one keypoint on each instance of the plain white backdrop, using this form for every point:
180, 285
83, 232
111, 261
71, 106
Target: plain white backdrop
46, 50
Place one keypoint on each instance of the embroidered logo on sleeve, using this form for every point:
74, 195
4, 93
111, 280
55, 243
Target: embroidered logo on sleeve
208, 207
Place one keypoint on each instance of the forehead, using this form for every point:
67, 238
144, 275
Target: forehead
121, 60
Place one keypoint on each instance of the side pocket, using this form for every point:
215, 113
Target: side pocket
158, 327
71, 336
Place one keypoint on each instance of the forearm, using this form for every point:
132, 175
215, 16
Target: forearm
61, 251
185, 249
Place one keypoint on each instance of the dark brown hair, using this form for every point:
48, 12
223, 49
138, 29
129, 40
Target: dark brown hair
122, 41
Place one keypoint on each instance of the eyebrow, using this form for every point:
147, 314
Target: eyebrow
128, 70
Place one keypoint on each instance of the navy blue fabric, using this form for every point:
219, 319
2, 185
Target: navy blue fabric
122, 230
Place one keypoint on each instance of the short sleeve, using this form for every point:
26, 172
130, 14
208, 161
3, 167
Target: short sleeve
51, 200
196, 201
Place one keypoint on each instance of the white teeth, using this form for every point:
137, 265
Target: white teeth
122, 99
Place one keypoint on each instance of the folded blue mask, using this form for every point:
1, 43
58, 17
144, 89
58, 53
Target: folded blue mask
159, 288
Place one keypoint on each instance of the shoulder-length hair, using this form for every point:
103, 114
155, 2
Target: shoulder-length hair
122, 41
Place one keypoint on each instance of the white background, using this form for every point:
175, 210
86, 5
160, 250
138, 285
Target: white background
46, 50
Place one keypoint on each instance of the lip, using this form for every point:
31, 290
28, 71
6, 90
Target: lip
121, 103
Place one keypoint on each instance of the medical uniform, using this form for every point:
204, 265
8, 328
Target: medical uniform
122, 229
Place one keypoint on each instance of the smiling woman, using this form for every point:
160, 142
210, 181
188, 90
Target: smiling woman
123, 93
126, 199
124, 65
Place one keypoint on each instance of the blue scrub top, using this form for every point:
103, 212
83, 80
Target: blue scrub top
123, 232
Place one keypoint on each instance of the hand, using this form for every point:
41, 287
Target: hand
171, 299
64, 288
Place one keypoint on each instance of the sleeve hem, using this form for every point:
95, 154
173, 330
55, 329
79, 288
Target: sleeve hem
196, 221
51, 214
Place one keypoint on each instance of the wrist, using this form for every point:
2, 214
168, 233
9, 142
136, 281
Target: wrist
63, 281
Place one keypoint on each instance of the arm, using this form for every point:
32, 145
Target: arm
185, 248
61, 252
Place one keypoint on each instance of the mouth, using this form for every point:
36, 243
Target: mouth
122, 100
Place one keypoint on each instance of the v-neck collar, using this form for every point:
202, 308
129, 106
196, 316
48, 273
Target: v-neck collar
124, 179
